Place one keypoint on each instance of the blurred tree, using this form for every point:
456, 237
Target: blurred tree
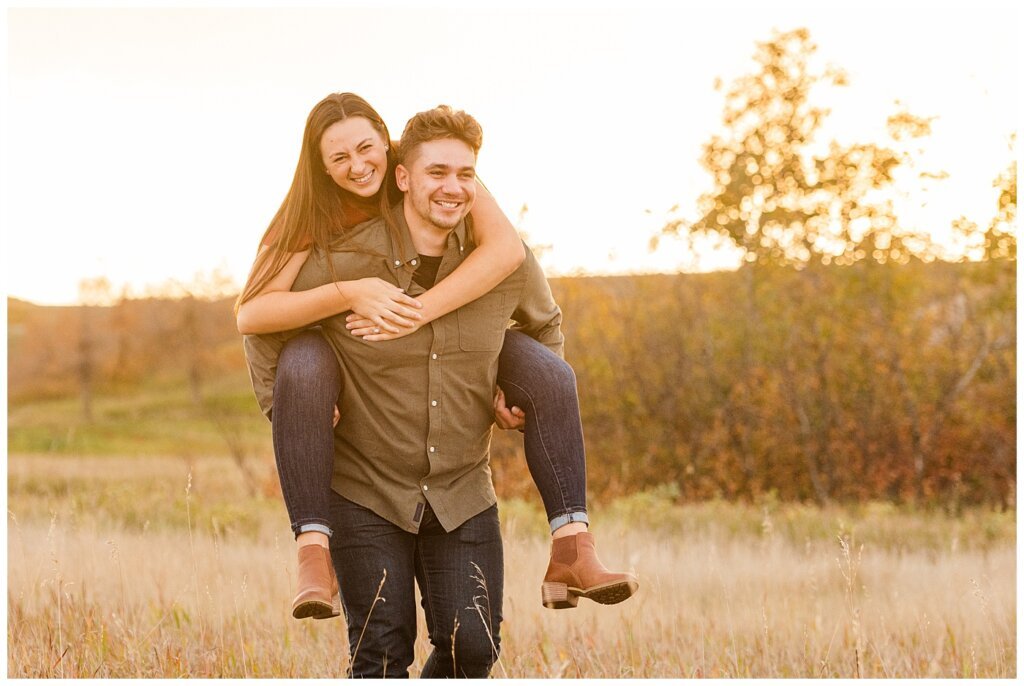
785, 199
998, 240
126, 328
907, 133
92, 293
188, 335
772, 195
193, 339
1001, 234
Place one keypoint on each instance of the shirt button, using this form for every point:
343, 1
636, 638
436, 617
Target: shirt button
431, 448
433, 403
425, 487
398, 263
414, 263
434, 356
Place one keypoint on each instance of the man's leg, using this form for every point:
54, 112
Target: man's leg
374, 562
461, 580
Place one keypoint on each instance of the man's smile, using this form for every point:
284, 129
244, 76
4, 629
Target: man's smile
448, 204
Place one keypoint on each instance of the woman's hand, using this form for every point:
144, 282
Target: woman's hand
385, 305
507, 418
369, 331
337, 416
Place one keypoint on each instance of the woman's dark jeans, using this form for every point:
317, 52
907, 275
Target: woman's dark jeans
543, 385
308, 384
306, 390
460, 575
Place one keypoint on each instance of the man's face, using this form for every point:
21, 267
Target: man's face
439, 181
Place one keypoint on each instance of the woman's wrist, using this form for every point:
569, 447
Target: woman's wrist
340, 296
428, 312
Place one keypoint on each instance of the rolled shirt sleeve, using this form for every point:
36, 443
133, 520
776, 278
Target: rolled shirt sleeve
537, 314
262, 352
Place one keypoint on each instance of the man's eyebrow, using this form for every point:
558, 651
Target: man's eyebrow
443, 166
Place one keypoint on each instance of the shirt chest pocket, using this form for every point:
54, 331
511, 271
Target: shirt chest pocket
482, 323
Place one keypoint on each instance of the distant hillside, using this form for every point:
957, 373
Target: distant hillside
860, 382
121, 345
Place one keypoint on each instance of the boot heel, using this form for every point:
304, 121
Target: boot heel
557, 596
333, 612
336, 605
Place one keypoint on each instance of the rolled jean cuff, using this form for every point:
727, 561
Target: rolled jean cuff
568, 518
306, 527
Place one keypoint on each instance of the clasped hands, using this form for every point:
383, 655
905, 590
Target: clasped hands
381, 311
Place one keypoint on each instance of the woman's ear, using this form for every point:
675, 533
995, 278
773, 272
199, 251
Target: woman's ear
402, 178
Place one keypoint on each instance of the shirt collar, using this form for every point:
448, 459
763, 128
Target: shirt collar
405, 252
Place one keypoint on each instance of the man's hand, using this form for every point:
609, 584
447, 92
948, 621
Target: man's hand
368, 331
384, 305
504, 417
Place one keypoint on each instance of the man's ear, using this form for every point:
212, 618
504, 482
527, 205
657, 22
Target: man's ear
402, 178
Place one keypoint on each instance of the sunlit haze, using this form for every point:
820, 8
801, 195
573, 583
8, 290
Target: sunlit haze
152, 144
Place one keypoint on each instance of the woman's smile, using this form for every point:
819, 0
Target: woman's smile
364, 179
354, 155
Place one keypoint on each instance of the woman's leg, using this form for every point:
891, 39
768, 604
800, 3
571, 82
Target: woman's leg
544, 386
306, 389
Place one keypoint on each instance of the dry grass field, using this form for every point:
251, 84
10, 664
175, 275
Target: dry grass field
133, 568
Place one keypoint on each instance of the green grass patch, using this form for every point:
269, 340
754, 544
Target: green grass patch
877, 524
158, 420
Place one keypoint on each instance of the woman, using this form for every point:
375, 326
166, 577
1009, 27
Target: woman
344, 176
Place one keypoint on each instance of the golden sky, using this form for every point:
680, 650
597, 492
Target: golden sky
148, 144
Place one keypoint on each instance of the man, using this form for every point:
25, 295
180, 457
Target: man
413, 500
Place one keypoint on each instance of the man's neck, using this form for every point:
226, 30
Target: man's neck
428, 239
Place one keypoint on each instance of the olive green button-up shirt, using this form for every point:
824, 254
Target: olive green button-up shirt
416, 412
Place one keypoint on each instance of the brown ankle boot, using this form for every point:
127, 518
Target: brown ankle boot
575, 571
318, 595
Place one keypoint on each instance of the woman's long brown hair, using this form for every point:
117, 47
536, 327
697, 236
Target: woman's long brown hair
315, 210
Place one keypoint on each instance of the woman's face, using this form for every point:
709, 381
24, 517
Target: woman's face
354, 155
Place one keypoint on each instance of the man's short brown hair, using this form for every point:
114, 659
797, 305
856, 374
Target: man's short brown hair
436, 124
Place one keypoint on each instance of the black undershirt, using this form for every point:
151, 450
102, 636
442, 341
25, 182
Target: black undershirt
426, 273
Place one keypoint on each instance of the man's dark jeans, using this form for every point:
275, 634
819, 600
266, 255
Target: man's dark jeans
460, 576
